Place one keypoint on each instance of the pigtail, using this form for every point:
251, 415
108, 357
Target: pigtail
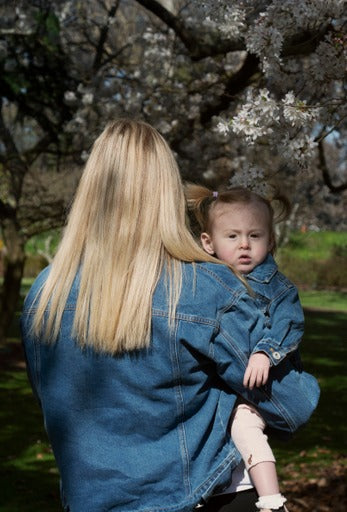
281, 206
199, 199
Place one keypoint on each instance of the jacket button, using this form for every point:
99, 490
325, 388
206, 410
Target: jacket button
276, 355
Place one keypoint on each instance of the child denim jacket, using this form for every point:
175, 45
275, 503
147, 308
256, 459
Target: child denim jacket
278, 299
149, 431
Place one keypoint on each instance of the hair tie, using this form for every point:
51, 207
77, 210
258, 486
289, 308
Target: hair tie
215, 194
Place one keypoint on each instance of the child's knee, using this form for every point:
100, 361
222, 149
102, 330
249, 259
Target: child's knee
246, 417
247, 431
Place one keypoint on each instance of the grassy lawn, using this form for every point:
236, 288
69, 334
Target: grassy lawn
314, 245
323, 299
29, 479
315, 260
323, 439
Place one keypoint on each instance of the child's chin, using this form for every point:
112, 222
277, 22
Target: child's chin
245, 269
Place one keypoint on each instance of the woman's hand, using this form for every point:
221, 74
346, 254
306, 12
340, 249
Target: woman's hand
257, 371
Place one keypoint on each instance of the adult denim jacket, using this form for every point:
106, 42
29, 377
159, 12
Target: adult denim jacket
148, 431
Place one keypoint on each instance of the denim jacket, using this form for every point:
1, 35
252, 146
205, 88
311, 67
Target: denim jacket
279, 302
148, 431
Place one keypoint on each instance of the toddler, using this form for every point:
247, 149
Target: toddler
237, 226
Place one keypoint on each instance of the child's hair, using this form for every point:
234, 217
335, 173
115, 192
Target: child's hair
202, 202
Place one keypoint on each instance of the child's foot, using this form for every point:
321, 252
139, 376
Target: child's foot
272, 503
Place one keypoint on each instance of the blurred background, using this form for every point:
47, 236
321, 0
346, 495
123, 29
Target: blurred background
246, 93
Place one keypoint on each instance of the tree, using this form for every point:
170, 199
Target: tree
242, 90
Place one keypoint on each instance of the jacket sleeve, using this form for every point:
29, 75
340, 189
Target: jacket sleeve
283, 326
240, 326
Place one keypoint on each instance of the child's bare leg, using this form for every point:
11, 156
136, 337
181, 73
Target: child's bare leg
247, 430
264, 478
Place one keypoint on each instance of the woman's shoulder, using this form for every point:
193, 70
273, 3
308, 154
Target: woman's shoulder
215, 278
207, 290
36, 287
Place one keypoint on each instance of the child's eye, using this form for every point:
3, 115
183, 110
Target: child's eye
255, 235
232, 236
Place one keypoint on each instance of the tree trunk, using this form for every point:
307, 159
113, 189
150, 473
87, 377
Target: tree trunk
13, 272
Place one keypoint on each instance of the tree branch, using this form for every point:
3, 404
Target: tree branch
235, 84
39, 148
325, 171
13, 160
197, 44
201, 44
103, 37
6, 210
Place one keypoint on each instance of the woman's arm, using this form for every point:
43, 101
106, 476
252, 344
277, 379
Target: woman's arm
240, 327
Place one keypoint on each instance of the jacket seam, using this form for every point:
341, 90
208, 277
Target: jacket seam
181, 412
240, 355
263, 279
235, 293
186, 318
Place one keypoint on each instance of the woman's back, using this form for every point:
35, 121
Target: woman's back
126, 430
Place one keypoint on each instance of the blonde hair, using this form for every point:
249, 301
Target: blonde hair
127, 221
202, 202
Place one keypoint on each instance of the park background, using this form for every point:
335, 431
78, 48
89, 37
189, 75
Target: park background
246, 92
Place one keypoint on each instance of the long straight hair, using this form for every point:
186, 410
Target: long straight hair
127, 221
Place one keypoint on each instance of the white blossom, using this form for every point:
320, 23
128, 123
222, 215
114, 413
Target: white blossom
252, 178
210, 174
282, 20
257, 117
70, 96
228, 19
296, 111
300, 148
263, 40
65, 12
164, 127
111, 20
329, 61
223, 127
88, 98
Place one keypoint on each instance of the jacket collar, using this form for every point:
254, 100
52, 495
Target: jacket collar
264, 272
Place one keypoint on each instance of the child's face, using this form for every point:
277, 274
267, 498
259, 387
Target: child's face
239, 234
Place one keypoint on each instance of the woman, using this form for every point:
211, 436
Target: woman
137, 341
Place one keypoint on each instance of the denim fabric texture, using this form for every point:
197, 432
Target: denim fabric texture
279, 302
148, 431
283, 329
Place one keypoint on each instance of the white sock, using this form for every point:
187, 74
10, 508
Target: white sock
273, 501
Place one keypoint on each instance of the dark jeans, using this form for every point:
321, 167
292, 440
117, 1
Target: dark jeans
243, 501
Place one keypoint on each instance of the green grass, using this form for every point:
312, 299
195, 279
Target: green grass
314, 245
323, 299
29, 479
315, 260
39, 242
323, 439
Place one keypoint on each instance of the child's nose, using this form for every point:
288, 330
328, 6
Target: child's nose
244, 243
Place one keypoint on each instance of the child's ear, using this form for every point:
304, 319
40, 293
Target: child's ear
207, 243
